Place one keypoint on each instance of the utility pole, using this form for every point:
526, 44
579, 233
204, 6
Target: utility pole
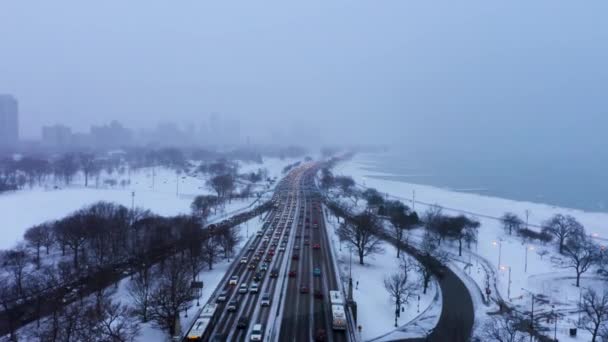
413, 200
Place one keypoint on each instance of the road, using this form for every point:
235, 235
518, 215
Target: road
292, 243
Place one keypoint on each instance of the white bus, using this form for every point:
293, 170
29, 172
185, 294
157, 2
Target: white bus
201, 330
337, 310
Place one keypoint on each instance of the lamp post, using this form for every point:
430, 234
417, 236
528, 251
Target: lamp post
499, 244
526, 262
502, 268
531, 313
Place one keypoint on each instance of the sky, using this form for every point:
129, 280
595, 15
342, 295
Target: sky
509, 76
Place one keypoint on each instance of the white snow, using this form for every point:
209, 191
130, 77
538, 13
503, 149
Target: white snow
541, 277
155, 190
375, 310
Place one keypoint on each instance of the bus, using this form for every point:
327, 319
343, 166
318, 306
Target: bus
201, 330
338, 314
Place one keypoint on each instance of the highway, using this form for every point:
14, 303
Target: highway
281, 259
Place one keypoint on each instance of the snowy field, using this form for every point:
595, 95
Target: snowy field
375, 310
161, 191
481, 264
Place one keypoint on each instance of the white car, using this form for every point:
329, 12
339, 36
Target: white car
257, 332
243, 288
265, 300
233, 280
253, 288
244, 260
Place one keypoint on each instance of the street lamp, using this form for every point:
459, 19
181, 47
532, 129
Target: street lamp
499, 244
503, 268
526, 262
531, 312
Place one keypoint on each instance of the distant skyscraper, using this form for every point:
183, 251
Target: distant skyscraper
57, 136
9, 121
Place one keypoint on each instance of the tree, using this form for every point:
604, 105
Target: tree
511, 222
432, 219
594, 307
502, 329
223, 185
580, 255
115, 322
563, 228
460, 228
401, 220
228, 237
430, 260
66, 167
202, 205
89, 165
399, 289
140, 289
171, 296
71, 233
211, 250
37, 237
373, 197
15, 262
362, 233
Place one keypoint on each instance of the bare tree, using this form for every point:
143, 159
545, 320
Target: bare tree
400, 289
228, 237
563, 228
15, 262
460, 228
171, 296
223, 185
511, 222
362, 233
89, 165
401, 220
594, 307
211, 250
140, 289
580, 255
202, 205
432, 219
66, 167
502, 329
431, 259
116, 323
70, 232
37, 237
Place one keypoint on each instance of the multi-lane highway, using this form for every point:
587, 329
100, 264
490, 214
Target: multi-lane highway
278, 288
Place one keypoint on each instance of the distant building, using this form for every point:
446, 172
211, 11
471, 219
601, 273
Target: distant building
9, 121
57, 136
112, 135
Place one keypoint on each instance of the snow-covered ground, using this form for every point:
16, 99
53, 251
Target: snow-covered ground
541, 276
375, 310
161, 190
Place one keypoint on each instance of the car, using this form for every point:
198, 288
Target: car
259, 233
265, 299
303, 288
243, 322
264, 267
244, 260
251, 249
243, 288
252, 266
268, 259
257, 276
296, 247
233, 280
232, 306
257, 333
271, 252
320, 335
222, 297
316, 246
295, 257
292, 274
274, 273
306, 242
316, 272
253, 288
318, 294
256, 257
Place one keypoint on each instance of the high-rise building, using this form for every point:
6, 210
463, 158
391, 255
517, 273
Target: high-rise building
9, 121
57, 136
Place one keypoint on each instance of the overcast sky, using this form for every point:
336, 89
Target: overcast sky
515, 74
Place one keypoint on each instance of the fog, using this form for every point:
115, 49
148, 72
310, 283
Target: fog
507, 76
